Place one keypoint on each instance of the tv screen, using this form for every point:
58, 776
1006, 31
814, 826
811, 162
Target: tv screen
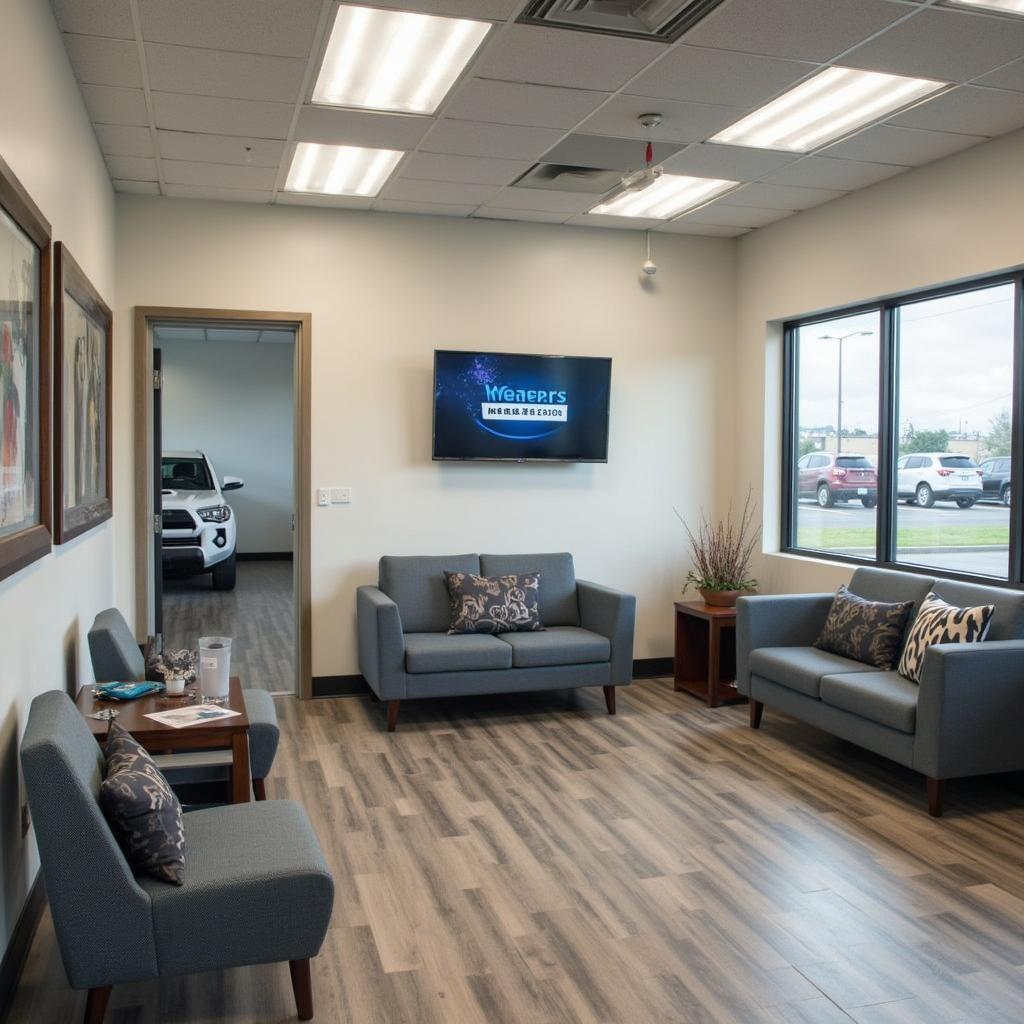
521, 408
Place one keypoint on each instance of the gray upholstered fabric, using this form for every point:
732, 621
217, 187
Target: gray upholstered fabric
511, 680
416, 584
381, 643
612, 614
558, 602
114, 651
89, 885
1007, 621
801, 668
888, 585
883, 697
257, 890
458, 652
264, 731
557, 645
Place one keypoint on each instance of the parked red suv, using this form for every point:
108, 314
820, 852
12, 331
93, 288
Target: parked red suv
830, 478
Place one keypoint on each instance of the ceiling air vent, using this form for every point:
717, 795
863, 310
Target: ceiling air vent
565, 178
666, 20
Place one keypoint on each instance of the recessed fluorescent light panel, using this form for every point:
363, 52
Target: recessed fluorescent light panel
340, 170
1000, 6
826, 107
669, 196
394, 60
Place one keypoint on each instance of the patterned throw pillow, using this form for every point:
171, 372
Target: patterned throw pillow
867, 631
941, 623
142, 809
494, 604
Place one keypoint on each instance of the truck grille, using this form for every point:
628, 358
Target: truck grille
178, 519
180, 542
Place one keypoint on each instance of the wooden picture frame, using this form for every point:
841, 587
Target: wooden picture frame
26, 505
82, 423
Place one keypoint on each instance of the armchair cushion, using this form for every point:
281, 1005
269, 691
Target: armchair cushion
560, 645
264, 732
114, 651
558, 602
460, 652
883, 697
800, 668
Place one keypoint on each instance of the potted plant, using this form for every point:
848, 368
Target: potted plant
721, 556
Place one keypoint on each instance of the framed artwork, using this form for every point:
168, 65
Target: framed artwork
25, 496
81, 394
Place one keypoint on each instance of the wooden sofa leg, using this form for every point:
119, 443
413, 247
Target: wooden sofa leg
302, 986
393, 714
259, 787
756, 711
935, 791
96, 1004
609, 699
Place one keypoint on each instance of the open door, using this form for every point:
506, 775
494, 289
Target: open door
158, 559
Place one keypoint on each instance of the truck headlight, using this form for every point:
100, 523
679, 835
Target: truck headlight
215, 514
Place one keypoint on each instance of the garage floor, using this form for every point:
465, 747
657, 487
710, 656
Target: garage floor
257, 615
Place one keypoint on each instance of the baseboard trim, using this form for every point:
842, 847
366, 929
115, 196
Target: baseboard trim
21, 942
649, 668
264, 556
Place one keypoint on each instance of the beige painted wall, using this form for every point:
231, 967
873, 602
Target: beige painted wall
958, 218
46, 609
384, 291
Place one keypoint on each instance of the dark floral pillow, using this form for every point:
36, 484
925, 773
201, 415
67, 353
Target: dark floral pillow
142, 809
870, 632
494, 604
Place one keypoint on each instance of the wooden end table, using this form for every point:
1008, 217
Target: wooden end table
705, 661
228, 733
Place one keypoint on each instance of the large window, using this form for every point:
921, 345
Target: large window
900, 424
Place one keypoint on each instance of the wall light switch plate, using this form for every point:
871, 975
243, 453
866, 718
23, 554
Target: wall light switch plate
323, 496
341, 495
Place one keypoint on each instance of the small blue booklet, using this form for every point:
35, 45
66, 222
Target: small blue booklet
125, 691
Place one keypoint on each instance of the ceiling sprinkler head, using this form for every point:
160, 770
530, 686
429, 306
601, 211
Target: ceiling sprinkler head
650, 120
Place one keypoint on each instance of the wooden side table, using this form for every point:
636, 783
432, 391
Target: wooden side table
705, 661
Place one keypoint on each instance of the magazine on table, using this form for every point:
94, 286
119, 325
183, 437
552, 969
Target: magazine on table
199, 714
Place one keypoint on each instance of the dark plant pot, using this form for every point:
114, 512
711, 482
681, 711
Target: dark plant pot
721, 598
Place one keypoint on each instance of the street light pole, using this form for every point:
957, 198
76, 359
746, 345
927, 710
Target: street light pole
839, 409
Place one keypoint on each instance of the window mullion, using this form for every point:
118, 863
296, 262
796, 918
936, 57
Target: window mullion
888, 434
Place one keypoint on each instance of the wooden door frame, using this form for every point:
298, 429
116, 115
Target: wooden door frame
143, 317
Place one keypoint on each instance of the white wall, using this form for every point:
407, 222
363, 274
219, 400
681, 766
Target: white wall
233, 400
47, 608
958, 218
384, 291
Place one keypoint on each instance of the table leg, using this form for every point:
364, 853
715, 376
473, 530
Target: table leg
241, 782
714, 663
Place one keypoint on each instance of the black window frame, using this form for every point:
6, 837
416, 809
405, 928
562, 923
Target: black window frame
888, 433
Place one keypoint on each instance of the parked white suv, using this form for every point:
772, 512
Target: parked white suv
927, 477
198, 526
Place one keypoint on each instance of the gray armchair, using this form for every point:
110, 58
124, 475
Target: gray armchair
257, 889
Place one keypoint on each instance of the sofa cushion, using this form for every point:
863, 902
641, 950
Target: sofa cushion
883, 697
890, 585
559, 645
941, 623
1008, 619
459, 652
416, 584
800, 668
558, 603
493, 604
870, 632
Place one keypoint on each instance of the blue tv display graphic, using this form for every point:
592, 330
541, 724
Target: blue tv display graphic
491, 405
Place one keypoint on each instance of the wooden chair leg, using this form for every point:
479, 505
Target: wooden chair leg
96, 1004
756, 711
259, 787
609, 699
393, 714
935, 791
302, 986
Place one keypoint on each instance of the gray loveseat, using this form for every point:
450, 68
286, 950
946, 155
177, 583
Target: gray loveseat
405, 650
965, 718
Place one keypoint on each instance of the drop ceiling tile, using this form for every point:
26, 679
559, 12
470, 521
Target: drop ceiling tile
602, 220
235, 195
112, 18
248, 26
339, 202
449, 193
554, 56
1010, 76
474, 170
432, 209
681, 122
485, 10
132, 168
735, 216
832, 173
780, 197
109, 105
184, 172
247, 76
545, 199
606, 153
718, 76
888, 144
541, 106
339, 127
797, 29
474, 138
138, 188
124, 140
947, 45
220, 116
687, 227
220, 149
534, 216
99, 61
968, 110
736, 163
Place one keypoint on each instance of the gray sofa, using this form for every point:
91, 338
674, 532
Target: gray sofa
965, 718
405, 650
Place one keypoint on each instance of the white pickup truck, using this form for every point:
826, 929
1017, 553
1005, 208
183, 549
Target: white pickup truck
197, 526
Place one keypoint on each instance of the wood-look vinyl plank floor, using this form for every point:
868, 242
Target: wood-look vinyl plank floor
530, 860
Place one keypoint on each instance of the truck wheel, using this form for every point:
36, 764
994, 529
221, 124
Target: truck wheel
925, 495
1005, 495
825, 499
224, 574
965, 502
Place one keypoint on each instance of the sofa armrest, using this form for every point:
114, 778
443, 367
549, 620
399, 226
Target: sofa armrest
970, 709
611, 613
381, 643
776, 620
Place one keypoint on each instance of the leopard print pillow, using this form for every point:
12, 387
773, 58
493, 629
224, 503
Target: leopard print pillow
870, 632
494, 604
941, 623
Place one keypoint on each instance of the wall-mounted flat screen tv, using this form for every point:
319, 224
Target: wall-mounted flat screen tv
520, 408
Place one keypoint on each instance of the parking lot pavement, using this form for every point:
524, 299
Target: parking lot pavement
812, 516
